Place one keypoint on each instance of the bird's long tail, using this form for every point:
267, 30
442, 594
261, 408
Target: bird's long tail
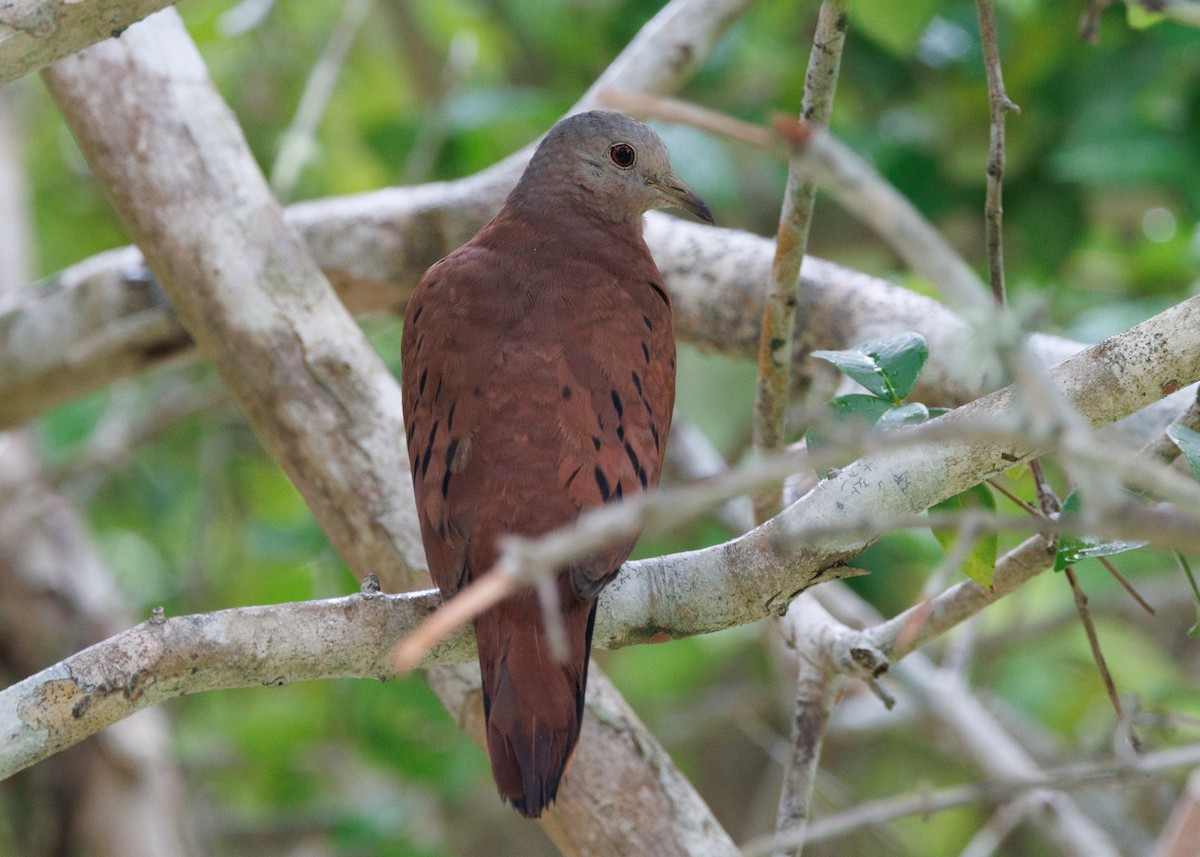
533, 705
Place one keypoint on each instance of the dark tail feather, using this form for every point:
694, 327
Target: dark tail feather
533, 705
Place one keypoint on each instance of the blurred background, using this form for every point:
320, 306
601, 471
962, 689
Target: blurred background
1102, 198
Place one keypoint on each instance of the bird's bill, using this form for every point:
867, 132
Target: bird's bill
677, 193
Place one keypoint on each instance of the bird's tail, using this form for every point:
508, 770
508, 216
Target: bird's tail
533, 705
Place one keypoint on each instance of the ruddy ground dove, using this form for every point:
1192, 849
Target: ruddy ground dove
538, 380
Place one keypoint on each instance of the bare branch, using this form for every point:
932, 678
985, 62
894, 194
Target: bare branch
999, 106
35, 33
781, 328
320, 398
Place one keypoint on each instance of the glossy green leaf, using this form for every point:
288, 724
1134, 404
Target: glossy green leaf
1072, 548
980, 563
914, 413
1188, 442
887, 367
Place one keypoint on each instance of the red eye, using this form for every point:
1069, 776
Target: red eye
622, 155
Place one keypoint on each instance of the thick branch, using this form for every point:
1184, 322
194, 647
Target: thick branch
35, 33
243, 284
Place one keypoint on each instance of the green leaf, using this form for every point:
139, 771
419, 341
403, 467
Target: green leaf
980, 563
855, 410
911, 414
1140, 18
888, 367
1072, 548
1188, 442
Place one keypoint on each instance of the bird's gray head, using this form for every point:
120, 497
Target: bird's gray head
613, 165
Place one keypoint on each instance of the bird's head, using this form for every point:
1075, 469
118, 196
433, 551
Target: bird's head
613, 164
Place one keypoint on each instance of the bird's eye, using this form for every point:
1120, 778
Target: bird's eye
622, 155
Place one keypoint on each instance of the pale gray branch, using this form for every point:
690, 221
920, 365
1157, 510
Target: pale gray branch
35, 33
319, 398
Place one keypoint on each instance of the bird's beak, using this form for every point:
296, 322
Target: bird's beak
677, 193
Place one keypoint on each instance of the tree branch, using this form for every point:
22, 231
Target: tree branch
784, 318
35, 33
320, 399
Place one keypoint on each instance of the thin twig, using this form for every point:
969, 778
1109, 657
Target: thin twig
999, 105
1085, 615
1024, 504
1120, 578
781, 329
491, 588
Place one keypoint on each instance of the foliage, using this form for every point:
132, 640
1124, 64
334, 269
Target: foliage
1102, 199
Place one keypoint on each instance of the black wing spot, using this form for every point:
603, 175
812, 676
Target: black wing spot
596, 442
649, 323
660, 291
421, 383
654, 431
451, 450
417, 315
437, 394
428, 450
649, 409
633, 459
602, 484
446, 485
620, 490
637, 382
646, 352
450, 417
432, 283
412, 427
566, 392
620, 432
616, 400
643, 478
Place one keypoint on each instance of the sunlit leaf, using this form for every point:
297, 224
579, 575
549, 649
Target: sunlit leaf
1140, 18
980, 563
887, 367
1073, 548
1188, 442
